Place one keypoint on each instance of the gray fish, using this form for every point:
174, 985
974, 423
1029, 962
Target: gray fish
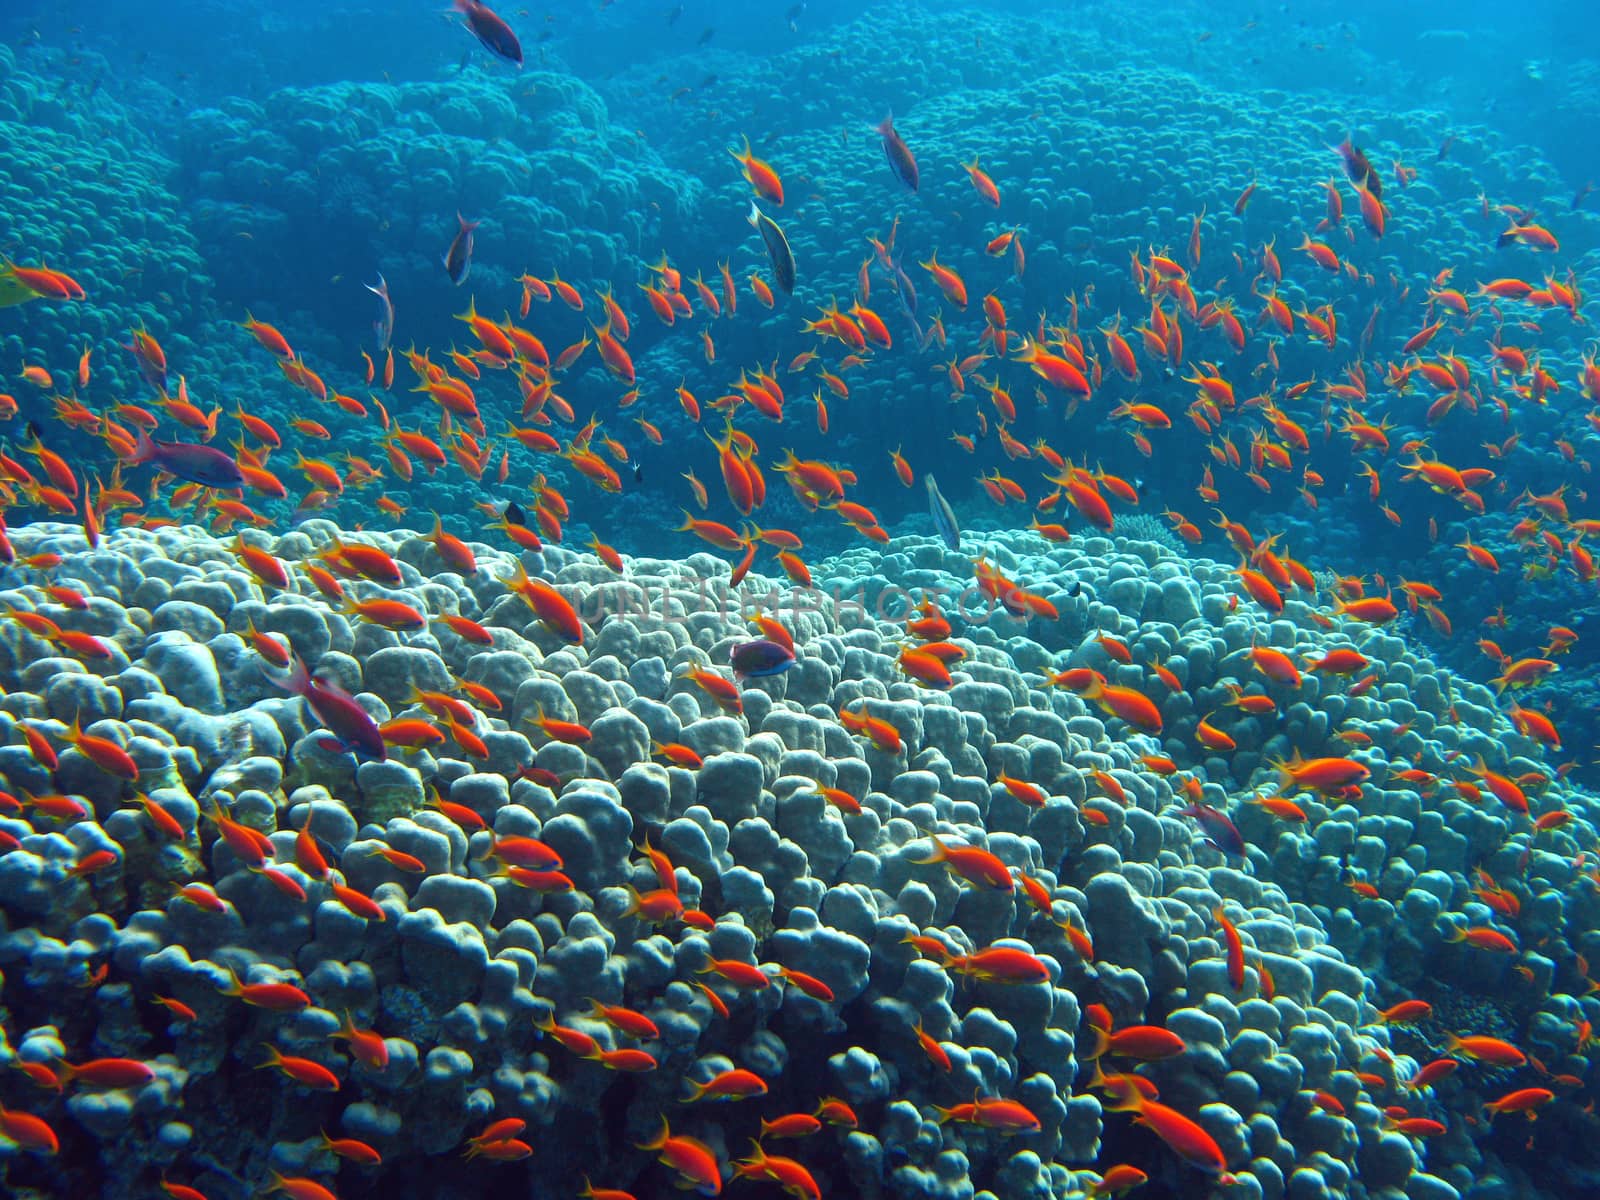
777, 247
944, 517
905, 287
458, 259
901, 160
383, 327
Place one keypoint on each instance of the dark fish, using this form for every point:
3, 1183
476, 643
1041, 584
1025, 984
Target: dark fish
674, 13
458, 259
705, 37
638, 473
514, 514
353, 729
491, 31
1359, 169
792, 17
944, 517
1583, 194
1220, 832
905, 287
905, 294
760, 657
777, 247
903, 162
1444, 148
383, 327
191, 463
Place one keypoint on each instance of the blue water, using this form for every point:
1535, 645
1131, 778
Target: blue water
294, 237
293, 151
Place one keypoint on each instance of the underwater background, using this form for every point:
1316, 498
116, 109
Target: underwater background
877, 600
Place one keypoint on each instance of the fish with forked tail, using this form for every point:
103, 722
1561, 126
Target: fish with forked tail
778, 251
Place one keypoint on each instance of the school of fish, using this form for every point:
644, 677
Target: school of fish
1202, 349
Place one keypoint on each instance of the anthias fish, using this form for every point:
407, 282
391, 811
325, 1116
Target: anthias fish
353, 729
189, 462
491, 30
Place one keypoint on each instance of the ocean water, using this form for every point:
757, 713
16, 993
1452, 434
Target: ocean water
1233, 336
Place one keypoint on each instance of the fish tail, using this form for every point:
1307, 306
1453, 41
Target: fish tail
143, 449
1102, 1042
1285, 769
297, 680
660, 1139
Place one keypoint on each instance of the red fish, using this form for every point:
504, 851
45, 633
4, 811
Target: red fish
1181, 1134
1235, 948
694, 1161
759, 174
978, 867
1148, 1043
492, 32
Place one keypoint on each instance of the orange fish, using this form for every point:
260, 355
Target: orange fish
978, 867
759, 174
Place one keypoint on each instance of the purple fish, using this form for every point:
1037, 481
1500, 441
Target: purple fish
458, 259
490, 30
898, 153
189, 462
354, 731
760, 657
1221, 833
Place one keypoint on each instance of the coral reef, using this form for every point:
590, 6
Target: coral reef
448, 941
1013, 861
